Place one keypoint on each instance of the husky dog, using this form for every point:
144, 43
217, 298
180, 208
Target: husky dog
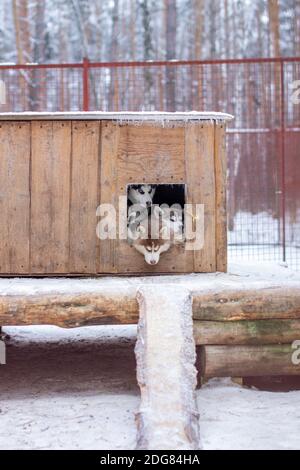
141, 194
149, 246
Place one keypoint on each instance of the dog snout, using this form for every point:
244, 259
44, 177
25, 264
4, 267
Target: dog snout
152, 261
148, 203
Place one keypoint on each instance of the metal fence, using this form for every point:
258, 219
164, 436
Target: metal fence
263, 140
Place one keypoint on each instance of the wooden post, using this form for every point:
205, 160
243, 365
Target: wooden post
165, 352
85, 86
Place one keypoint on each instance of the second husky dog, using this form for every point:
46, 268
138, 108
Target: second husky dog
141, 194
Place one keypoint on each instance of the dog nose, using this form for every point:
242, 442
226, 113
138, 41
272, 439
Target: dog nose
148, 203
152, 261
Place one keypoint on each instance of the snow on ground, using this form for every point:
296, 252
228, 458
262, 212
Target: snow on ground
254, 229
240, 275
76, 389
263, 229
233, 417
69, 389
258, 237
121, 115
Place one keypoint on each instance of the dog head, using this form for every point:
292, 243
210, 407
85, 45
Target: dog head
151, 248
141, 194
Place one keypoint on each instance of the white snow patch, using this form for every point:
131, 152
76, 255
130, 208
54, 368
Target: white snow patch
119, 116
240, 275
250, 229
237, 418
69, 389
258, 237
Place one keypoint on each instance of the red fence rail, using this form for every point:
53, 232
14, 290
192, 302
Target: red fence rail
263, 140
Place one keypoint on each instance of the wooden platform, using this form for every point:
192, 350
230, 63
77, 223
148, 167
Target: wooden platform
244, 324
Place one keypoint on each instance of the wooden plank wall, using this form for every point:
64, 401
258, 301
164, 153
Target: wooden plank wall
84, 197
14, 197
136, 154
49, 180
200, 175
50, 193
54, 174
220, 188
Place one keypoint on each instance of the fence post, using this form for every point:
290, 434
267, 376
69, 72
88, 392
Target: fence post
85, 91
282, 152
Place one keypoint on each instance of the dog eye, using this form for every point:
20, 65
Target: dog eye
141, 191
148, 248
156, 248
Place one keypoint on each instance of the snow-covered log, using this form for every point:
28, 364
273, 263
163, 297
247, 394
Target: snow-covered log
165, 353
70, 302
69, 310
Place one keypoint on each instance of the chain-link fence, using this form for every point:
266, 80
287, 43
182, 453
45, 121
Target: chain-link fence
263, 140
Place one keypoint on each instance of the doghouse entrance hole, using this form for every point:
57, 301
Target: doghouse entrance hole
170, 194
157, 194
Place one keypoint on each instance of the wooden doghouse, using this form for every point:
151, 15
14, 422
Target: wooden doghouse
57, 168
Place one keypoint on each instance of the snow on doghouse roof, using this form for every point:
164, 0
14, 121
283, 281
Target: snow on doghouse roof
118, 116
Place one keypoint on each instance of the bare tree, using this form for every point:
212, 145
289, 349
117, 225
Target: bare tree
114, 52
23, 45
296, 27
274, 28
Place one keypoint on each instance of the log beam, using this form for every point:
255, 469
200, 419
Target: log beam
118, 305
251, 304
243, 361
245, 332
68, 310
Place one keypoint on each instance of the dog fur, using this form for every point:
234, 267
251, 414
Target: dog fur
141, 194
